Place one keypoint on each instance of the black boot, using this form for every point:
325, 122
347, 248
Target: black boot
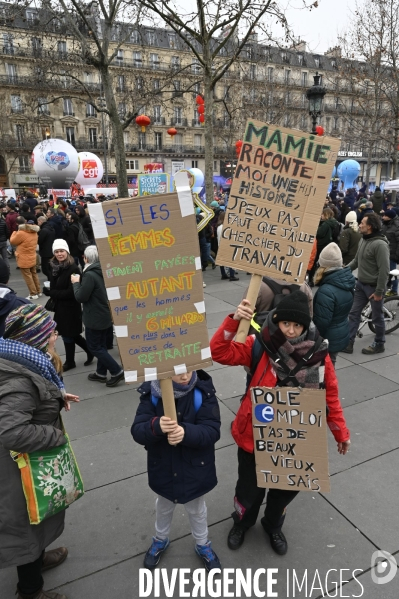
69, 357
81, 341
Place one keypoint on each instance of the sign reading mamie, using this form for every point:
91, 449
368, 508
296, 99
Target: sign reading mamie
276, 200
290, 438
149, 255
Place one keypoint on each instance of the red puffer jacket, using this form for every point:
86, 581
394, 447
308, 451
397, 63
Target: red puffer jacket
226, 351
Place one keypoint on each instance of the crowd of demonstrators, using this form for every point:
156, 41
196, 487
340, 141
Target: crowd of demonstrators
89, 290
373, 263
67, 310
290, 342
32, 397
333, 300
349, 238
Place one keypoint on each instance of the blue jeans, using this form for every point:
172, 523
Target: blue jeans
392, 266
97, 345
362, 294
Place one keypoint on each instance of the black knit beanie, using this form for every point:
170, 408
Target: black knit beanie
293, 308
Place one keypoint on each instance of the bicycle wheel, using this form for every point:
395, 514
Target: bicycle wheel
391, 314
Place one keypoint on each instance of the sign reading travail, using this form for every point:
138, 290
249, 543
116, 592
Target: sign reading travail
290, 438
149, 256
276, 199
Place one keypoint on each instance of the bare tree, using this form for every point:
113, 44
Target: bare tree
216, 33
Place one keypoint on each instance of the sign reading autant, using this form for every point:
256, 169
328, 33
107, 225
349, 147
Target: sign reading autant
276, 199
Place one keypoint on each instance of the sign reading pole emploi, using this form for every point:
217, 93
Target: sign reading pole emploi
290, 438
150, 259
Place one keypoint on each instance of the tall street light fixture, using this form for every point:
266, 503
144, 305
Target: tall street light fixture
315, 95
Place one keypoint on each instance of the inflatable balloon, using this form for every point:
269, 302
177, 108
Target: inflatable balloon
348, 171
56, 163
90, 170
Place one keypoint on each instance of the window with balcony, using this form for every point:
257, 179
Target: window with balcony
90, 110
68, 107
42, 106
151, 38
157, 114
304, 79
178, 140
61, 49
252, 71
46, 132
175, 62
16, 104
336, 122
196, 121
195, 66
248, 52
37, 46
172, 40
120, 83
287, 76
287, 98
158, 141
176, 86
270, 73
178, 115
24, 164
194, 164
11, 72
122, 110
142, 141
197, 140
70, 135
93, 137
134, 36
132, 165
8, 43
139, 83
137, 60
156, 85
154, 60
32, 17
119, 55
126, 138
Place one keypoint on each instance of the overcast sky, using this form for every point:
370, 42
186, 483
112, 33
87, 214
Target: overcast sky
320, 26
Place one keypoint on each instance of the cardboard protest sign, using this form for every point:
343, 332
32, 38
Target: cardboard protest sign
276, 200
150, 259
290, 438
153, 184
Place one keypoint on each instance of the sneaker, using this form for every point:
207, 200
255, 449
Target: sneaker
236, 537
154, 553
279, 542
33, 297
390, 293
234, 279
208, 556
93, 376
203, 284
114, 380
40, 294
374, 348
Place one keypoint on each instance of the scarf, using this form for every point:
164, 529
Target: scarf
291, 351
57, 267
178, 390
37, 361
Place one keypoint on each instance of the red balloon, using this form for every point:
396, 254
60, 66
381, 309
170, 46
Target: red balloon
201, 109
199, 99
202, 118
319, 130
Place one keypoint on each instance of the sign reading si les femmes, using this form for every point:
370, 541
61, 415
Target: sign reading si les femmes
276, 199
290, 438
149, 256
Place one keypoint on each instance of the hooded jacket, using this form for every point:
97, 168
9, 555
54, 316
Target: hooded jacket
372, 261
186, 471
25, 239
331, 307
324, 233
377, 199
9, 301
390, 228
226, 351
348, 243
91, 292
46, 239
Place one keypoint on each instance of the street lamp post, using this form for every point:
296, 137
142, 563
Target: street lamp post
315, 95
102, 103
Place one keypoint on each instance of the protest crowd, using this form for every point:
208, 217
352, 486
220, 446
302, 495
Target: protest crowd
298, 332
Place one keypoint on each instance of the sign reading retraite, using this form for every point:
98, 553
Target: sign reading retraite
290, 438
150, 259
276, 200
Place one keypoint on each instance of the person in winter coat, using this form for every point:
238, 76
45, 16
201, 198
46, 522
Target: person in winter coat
4, 236
31, 201
57, 221
68, 312
377, 198
372, 262
326, 232
85, 221
46, 239
25, 239
27, 213
289, 332
72, 238
31, 398
350, 198
333, 300
9, 300
11, 217
349, 238
232, 276
344, 209
180, 458
390, 228
364, 208
92, 294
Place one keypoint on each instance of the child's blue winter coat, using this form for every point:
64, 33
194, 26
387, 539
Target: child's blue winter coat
187, 470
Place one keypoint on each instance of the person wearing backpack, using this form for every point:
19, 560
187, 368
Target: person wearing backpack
180, 458
328, 231
292, 354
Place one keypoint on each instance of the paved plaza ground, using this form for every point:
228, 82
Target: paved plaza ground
108, 531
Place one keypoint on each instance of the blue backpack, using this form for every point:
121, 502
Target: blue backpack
197, 399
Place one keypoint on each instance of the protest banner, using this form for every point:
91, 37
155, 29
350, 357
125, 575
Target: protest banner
150, 259
275, 203
290, 438
153, 184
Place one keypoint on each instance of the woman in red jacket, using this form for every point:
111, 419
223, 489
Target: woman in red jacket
289, 332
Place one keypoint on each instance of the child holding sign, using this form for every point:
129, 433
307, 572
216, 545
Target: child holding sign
293, 355
180, 457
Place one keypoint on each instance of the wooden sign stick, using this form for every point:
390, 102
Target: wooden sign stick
168, 398
252, 296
